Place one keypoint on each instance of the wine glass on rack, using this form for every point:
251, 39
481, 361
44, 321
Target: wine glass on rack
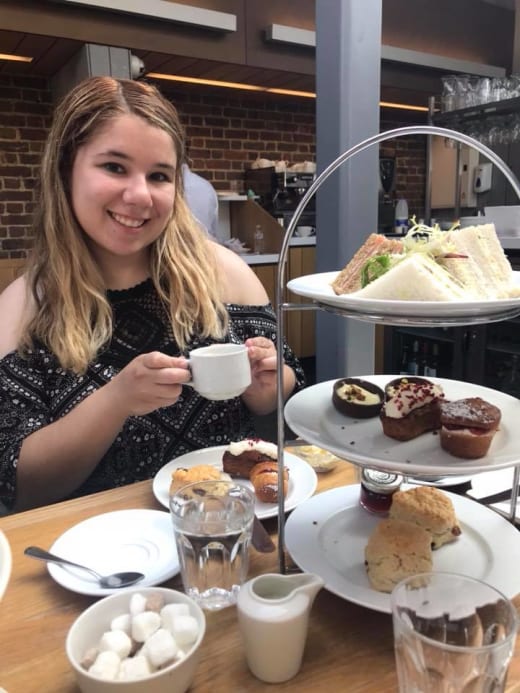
510, 383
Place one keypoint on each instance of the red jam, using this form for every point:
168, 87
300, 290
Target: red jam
377, 489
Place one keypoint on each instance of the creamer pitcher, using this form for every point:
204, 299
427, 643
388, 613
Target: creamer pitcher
273, 615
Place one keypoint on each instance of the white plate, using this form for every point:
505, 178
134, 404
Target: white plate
439, 481
302, 478
328, 533
318, 287
137, 540
6, 563
311, 414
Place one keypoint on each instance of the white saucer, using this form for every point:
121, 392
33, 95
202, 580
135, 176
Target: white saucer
328, 533
302, 479
136, 540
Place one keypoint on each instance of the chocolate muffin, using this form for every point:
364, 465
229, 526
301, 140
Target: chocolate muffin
468, 427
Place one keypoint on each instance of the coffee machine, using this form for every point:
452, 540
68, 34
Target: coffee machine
386, 202
280, 193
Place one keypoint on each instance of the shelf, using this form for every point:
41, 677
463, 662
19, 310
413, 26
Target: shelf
433, 333
483, 110
503, 347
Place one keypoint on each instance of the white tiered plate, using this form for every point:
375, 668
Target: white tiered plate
328, 533
302, 479
311, 414
318, 288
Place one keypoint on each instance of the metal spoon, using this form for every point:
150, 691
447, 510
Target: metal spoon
107, 581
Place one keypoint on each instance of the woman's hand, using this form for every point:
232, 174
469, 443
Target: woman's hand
260, 396
149, 382
262, 357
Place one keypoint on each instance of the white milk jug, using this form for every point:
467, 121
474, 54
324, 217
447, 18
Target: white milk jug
273, 615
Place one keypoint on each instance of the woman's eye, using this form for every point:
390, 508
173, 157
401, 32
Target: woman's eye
160, 177
113, 167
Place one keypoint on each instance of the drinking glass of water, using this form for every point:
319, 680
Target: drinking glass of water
452, 634
212, 522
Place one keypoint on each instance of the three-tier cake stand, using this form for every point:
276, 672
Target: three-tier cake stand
383, 317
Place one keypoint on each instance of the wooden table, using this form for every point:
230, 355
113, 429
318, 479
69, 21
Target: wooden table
349, 648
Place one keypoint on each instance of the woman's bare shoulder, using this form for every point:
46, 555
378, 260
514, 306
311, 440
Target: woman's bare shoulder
240, 283
14, 306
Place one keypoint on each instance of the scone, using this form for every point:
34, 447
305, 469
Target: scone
468, 427
240, 457
199, 472
428, 508
411, 407
395, 550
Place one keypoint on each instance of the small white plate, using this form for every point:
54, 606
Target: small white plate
302, 479
6, 563
318, 287
136, 540
328, 533
311, 414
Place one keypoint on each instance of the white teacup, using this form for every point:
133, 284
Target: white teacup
304, 231
220, 371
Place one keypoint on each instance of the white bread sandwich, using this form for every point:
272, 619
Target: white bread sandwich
376, 245
458, 265
415, 278
478, 261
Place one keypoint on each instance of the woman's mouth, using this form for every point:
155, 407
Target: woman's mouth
129, 222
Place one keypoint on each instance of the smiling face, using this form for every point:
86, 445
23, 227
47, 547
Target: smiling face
122, 191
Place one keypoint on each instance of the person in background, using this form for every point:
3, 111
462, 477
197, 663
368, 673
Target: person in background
202, 200
121, 284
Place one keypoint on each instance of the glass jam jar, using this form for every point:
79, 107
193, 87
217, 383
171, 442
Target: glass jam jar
377, 488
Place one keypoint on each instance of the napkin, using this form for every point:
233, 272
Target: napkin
490, 484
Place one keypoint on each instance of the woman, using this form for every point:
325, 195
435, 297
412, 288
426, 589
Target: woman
122, 283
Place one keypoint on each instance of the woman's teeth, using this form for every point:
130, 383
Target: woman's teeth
127, 221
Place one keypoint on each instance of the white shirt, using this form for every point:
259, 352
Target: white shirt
202, 200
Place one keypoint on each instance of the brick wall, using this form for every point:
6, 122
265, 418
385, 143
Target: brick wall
410, 163
226, 132
25, 113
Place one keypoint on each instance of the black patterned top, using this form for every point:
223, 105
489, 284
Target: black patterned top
35, 391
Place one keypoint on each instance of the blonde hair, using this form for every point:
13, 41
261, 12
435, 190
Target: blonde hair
73, 318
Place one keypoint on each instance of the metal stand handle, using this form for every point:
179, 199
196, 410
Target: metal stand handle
282, 307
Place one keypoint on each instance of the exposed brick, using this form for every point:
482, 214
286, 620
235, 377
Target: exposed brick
225, 130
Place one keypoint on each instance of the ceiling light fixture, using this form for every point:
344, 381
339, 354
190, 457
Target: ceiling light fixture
208, 82
403, 106
269, 90
16, 58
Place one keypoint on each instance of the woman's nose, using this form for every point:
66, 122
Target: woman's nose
137, 191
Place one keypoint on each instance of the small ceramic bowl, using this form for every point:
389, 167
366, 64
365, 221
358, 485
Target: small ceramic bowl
87, 629
357, 398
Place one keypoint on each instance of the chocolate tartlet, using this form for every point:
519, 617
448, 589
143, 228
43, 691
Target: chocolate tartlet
357, 398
